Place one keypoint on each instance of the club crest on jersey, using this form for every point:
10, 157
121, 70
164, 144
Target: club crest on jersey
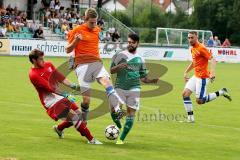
50, 69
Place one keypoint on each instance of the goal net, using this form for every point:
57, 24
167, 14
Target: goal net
178, 37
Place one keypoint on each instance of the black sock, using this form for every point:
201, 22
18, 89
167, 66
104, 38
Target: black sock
190, 113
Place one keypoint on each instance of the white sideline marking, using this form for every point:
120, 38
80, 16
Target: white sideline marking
218, 126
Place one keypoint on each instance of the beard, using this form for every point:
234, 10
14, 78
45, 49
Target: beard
131, 49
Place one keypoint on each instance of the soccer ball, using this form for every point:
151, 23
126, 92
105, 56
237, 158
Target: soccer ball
112, 132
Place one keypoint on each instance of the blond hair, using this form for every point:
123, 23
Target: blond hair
90, 13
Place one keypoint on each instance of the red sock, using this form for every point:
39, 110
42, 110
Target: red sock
82, 128
63, 125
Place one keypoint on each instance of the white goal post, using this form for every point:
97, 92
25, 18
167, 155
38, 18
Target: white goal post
178, 37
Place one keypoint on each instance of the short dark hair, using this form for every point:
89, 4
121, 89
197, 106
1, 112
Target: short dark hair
134, 37
35, 54
193, 32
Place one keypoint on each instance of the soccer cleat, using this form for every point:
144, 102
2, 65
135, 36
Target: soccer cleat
190, 121
226, 94
187, 121
119, 141
94, 141
59, 133
120, 113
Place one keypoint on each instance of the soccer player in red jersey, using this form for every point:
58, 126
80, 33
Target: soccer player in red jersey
58, 105
198, 83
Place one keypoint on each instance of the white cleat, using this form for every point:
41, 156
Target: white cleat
94, 141
226, 94
59, 133
190, 119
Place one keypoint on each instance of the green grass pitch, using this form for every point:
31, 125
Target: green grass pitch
26, 130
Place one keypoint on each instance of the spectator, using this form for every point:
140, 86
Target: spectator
111, 30
3, 31
100, 23
115, 36
216, 41
52, 4
9, 8
64, 26
33, 26
107, 37
38, 33
10, 27
226, 43
56, 21
57, 5
210, 42
101, 36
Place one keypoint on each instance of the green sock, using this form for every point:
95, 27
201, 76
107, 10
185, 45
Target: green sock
127, 127
116, 120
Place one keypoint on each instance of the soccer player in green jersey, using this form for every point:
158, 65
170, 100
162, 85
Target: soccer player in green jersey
130, 69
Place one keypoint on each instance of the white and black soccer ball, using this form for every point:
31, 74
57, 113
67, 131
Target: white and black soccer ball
112, 132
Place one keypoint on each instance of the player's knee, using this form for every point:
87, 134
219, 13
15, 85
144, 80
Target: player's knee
130, 111
105, 81
185, 94
199, 101
86, 101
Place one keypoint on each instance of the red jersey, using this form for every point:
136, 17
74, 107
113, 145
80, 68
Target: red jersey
45, 80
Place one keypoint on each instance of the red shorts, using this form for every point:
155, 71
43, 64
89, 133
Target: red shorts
61, 106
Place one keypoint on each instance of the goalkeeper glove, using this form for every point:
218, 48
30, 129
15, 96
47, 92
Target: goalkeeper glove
75, 86
70, 97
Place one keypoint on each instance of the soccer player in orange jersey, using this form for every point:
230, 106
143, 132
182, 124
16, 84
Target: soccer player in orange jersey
84, 42
198, 83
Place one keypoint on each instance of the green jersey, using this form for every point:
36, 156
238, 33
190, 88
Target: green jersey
129, 78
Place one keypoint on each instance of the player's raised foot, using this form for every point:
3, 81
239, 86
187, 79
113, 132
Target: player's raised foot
59, 133
121, 113
226, 94
94, 141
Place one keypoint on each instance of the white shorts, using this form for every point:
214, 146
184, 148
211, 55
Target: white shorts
198, 85
88, 73
130, 97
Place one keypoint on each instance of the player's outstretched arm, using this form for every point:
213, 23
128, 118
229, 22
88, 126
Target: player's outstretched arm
70, 47
118, 67
213, 64
188, 69
68, 83
147, 80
